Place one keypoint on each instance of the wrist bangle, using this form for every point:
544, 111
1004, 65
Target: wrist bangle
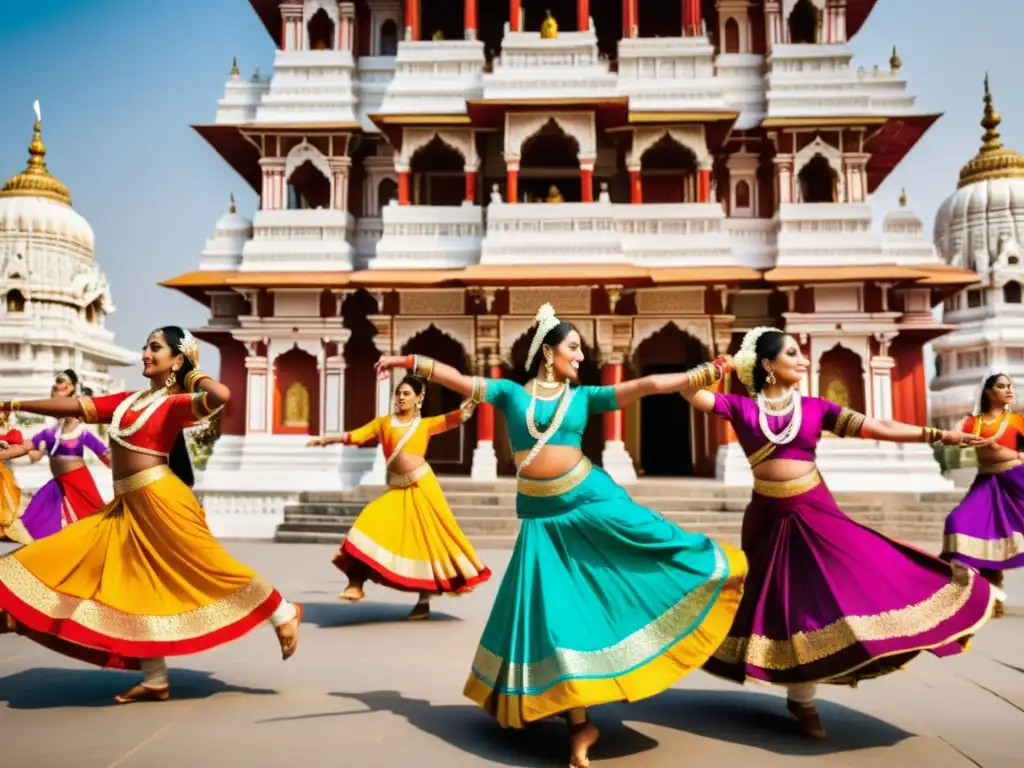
410, 362
422, 366
193, 377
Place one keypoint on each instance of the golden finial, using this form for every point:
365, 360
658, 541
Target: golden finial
993, 160
235, 72
36, 180
231, 205
894, 61
903, 198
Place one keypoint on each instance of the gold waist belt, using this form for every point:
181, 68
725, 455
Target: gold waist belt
409, 478
555, 486
140, 480
785, 489
995, 469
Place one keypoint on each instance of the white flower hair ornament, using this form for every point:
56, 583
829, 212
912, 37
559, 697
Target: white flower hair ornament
980, 392
745, 359
546, 320
189, 347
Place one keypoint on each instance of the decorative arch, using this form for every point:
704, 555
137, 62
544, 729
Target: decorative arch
1012, 293
731, 36
306, 152
387, 38
310, 9
15, 301
414, 140
296, 406
691, 139
455, 329
698, 328
841, 378
579, 126
804, 20
819, 147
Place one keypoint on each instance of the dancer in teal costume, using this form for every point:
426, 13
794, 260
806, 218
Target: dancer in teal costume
603, 600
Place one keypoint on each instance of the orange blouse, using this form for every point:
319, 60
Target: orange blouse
1010, 438
146, 424
389, 434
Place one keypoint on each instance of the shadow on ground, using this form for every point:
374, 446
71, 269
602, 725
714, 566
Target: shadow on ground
51, 688
342, 614
752, 719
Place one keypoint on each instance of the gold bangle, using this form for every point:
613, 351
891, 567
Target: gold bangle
423, 366
15, 406
193, 377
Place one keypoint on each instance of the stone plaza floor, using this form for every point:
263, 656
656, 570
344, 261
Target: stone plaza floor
367, 689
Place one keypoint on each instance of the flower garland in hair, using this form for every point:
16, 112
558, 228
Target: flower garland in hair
546, 320
745, 359
980, 392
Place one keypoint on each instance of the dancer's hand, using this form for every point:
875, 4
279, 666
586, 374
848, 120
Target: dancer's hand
386, 363
954, 437
318, 442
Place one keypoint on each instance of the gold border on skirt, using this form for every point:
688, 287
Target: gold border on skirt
140, 480
992, 550
785, 489
409, 478
544, 488
998, 469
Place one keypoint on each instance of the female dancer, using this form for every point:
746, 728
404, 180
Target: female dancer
986, 530
408, 539
72, 493
827, 599
603, 600
11, 447
143, 578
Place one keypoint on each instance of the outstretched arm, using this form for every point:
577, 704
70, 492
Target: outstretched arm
898, 432
689, 384
57, 407
439, 373
8, 452
325, 440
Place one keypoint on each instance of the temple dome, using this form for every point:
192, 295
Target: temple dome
984, 219
230, 234
35, 203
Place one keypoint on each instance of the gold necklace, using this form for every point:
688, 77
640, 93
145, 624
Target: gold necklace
557, 388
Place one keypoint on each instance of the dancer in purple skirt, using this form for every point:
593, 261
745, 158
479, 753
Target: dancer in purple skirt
986, 530
827, 599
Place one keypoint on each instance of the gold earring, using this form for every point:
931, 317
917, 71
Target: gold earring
171, 380
549, 370
771, 378
419, 407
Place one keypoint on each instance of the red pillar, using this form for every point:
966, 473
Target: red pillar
611, 375
704, 186
636, 188
512, 184
582, 15
403, 188
470, 14
471, 186
630, 19
485, 414
412, 18
691, 18
587, 183
514, 14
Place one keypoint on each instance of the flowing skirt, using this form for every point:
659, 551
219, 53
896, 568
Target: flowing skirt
143, 577
408, 539
986, 530
62, 501
10, 503
830, 600
603, 600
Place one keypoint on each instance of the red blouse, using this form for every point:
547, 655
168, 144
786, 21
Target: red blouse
162, 418
1011, 437
12, 437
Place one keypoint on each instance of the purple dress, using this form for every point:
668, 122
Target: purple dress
828, 599
986, 530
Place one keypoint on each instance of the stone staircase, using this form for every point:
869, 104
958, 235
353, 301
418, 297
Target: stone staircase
486, 511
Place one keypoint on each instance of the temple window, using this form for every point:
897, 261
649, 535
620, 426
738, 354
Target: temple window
15, 301
804, 21
321, 31
742, 194
308, 188
975, 298
549, 169
818, 181
669, 173
437, 175
1012, 293
388, 38
732, 36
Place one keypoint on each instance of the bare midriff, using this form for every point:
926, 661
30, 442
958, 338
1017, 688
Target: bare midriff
125, 463
404, 463
62, 465
783, 470
996, 454
552, 461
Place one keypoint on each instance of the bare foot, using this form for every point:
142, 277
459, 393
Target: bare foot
353, 593
288, 634
142, 693
582, 737
420, 611
7, 623
808, 718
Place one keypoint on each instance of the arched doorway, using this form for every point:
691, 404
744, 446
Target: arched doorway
590, 375
818, 181
672, 441
321, 31
15, 301
360, 354
308, 188
669, 173
388, 41
803, 23
438, 172
841, 378
450, 453
296, 394
550, 167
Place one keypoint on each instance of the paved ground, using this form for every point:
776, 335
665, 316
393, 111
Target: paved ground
365, 689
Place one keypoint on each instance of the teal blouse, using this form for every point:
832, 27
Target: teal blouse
514, 399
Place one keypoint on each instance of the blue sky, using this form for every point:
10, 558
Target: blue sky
121, 81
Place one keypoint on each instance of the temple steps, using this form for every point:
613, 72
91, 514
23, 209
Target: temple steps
486, 511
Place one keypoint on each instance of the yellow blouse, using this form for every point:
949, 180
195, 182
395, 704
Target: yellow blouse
389, 435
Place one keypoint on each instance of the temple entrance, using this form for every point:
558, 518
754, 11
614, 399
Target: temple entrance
550, 167
804, 23
296, 394
450, 453
308, 188
841, 378
669, 173
818, 181
672, 440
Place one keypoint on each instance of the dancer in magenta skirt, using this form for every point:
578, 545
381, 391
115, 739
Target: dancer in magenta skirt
827, 599
986, 530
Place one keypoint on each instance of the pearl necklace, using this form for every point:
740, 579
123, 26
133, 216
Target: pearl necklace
779, 406
556, 423
789, 432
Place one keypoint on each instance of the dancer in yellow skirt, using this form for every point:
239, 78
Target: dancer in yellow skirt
11, 447
143, 578
408, 538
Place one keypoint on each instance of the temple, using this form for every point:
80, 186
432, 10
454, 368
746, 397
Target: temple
667, 174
